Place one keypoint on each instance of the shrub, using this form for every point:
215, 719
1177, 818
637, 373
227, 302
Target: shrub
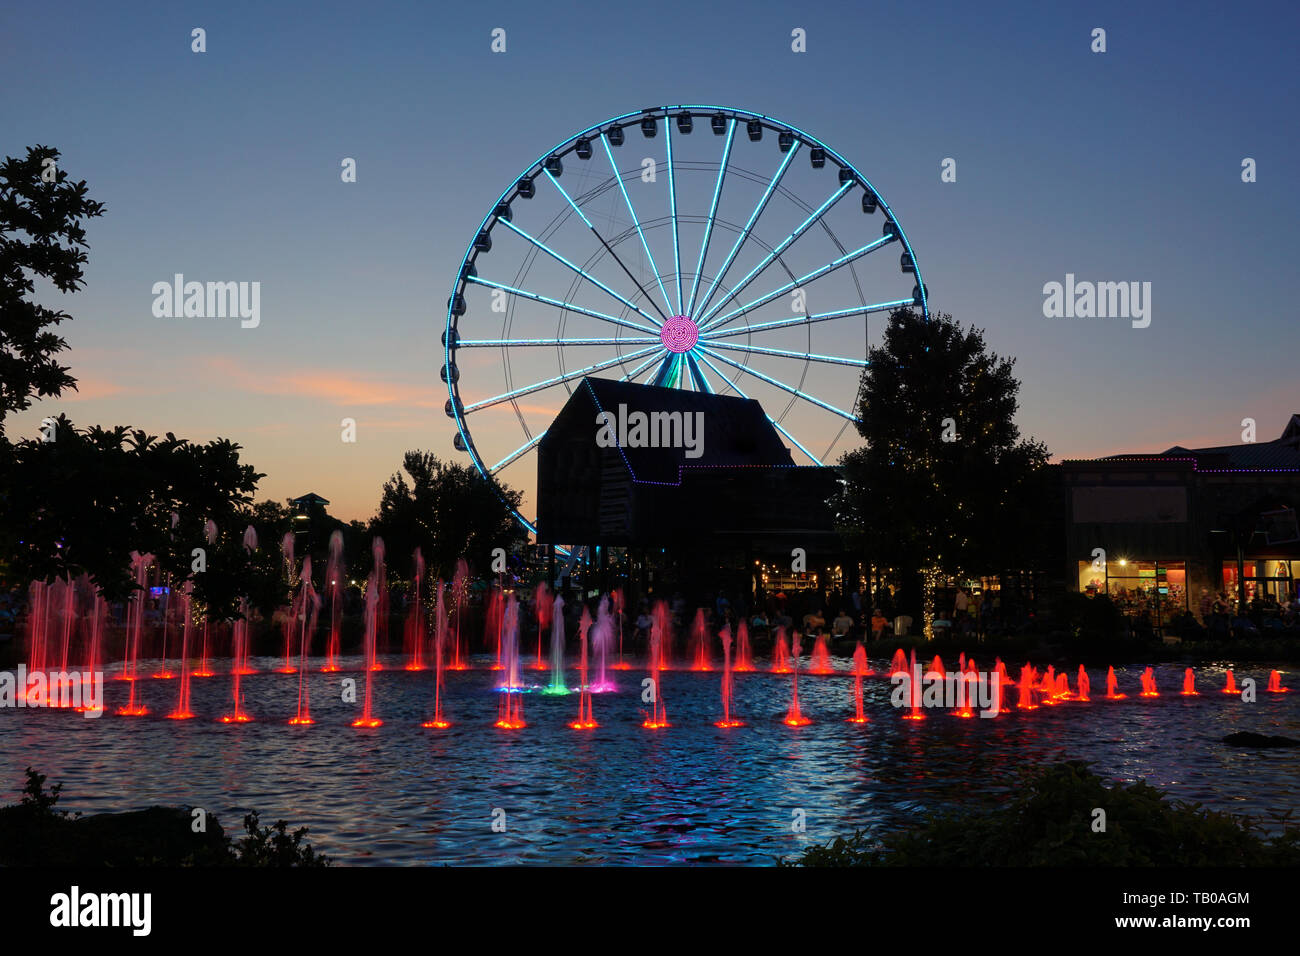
1049, 822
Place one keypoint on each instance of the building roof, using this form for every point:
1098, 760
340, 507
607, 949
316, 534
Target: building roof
1283, 452
736, 431
310, 498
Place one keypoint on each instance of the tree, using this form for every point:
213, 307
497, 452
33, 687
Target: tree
447, 510
945, 480
86, 500
37, 201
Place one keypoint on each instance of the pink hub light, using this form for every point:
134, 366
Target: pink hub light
679, 334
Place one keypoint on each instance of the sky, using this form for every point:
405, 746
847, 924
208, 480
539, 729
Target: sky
1121, 166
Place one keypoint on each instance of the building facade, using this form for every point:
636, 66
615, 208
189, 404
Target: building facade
1162, 534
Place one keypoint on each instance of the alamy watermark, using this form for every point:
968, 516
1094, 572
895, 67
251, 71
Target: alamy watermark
82, 690
1099, 300
651, 430
208, 300
957, 690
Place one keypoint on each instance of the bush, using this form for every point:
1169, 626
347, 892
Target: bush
1050, 823
34, 833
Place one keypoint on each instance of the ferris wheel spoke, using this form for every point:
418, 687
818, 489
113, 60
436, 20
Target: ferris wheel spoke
618, 178
779, 427
781, 385
714, 334
493, 343
547, 300
631, 376
776, 251
532, 442
753, 217
672, 211
521, 450
578, 269
557, 380
783, 353
608, 247
795, 283
713, 209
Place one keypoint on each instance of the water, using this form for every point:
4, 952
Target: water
621, 794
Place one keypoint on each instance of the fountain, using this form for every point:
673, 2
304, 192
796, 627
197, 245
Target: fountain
414, 630
898, 664
780, 654
286, 554
727, 720
1112, 686
1082, 685
1189, 683
585, 720
306, 607
744, 658
793, 716
542, 601
135, 622
1231, 686
914, 687
182, 711
602, 641
1149, 684
510, 711
379, 585
970, 686
334, 572
1275, 683
860, 670
494, 621
458, 589
821, 657
700, 643
1025, 689
371, 663
663, 620
622, 665
557, 686
438, 721
660, 635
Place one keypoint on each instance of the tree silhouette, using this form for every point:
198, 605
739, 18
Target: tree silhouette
37, 202
447, 510
945, 480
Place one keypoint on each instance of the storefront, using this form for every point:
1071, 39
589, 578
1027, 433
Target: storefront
1157, 588
1263, 579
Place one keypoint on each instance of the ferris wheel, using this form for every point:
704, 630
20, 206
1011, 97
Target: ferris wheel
673, 246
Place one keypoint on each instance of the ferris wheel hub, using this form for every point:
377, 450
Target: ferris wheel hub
679, 334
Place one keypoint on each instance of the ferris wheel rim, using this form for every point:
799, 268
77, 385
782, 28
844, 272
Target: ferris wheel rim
537, 167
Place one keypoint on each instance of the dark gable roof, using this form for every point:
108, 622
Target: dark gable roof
1282, 452
736, 432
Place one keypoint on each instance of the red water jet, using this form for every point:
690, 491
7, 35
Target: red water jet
727, 720
744, 660
585, 719
793, 716
780, 654
914, 687
860, 670
1112, 685
1149, 684
821, 657
1231, 686
700, 643
1189, 684
1275, 683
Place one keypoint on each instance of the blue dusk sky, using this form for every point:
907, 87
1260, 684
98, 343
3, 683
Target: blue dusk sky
1122, 166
